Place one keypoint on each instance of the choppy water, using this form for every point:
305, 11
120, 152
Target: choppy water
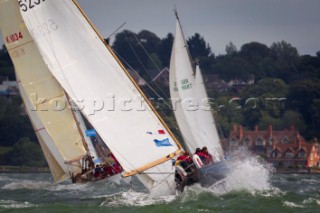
250, 188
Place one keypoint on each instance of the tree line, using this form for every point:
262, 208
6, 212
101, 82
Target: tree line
279, 72
286, 89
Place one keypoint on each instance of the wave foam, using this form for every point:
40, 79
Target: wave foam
26, 185
14, 204
292, 205
247, 173
132, 198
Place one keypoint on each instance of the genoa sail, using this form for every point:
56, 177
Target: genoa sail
97, 82
190, 100
58, 169
44, 98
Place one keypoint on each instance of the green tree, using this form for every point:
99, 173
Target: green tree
232, 68
304, 97
309, 68
287, 60
294, 118
165, 49
267, 88
25, 153
149, 41
254, 51
14, 123
256, 54
6, 67
198, 46
227, 111
128, 48
231, 49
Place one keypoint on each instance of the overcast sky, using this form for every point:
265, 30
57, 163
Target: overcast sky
218, 21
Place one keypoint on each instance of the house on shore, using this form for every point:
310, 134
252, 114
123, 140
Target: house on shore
285, 150
7, 87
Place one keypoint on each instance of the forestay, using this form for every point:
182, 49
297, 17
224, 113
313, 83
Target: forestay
55, 127
94, 79
193, 112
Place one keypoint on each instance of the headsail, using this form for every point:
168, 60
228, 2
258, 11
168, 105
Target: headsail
193, 112
97, 82
56, 164
55, 127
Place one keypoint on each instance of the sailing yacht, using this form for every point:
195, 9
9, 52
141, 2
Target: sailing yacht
192, 110
60, 131
95, 80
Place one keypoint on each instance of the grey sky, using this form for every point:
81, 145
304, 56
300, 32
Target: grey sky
218, 21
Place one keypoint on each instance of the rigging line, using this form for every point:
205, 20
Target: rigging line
134, 52
162, 180
166, 103
146, 71
116, 31
165, 179
149, 86
184, 40
156, 66
219, 126
144, 49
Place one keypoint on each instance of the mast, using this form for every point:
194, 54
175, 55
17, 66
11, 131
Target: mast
184, 40
187, 82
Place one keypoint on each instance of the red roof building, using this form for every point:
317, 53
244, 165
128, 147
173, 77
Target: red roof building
284, 149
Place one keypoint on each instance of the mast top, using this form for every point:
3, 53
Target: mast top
176, 12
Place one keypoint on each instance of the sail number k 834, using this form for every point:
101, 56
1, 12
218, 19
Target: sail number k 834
14, 37
26, 5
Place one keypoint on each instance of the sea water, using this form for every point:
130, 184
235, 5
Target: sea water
250, 187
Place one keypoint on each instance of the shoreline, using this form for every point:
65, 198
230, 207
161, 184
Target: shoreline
23, 169
309, 172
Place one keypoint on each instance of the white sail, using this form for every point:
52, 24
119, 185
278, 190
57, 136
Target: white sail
177, 104
55, 127
96, 81
55, 161
193, 113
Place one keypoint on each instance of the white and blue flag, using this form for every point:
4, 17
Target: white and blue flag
164, 142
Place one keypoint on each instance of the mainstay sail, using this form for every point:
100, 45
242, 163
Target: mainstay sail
55, 128
96, 81
190, 100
